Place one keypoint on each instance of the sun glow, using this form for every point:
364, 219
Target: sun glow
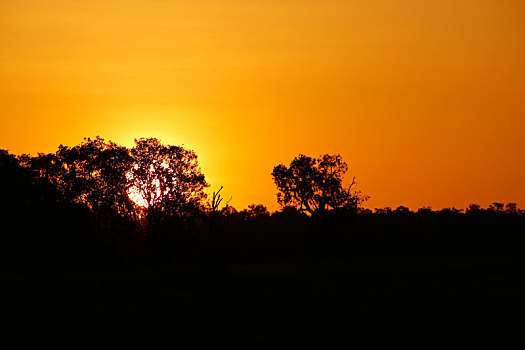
138, 198
141, 193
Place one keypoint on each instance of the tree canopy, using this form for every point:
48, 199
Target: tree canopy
166, 178
109, 178
315, 185
92, 174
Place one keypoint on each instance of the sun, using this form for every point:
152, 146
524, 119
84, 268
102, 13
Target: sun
137, 198
137, 191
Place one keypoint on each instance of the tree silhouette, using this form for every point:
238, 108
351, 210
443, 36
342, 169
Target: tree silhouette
511, 208
39, 228
255, 211
315, 185
496, 207
215, 202
473, 208
167, 179
92, 174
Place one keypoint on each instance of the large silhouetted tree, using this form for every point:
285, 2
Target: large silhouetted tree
167, 183
100, 175
166, 179
38, 227
92, 174
315, 185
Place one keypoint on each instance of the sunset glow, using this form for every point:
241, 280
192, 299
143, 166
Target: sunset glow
139, 195
423, 99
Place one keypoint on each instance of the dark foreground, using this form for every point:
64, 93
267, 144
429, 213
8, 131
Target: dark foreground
83, 266
280, 305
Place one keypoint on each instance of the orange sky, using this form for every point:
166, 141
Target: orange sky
423, 99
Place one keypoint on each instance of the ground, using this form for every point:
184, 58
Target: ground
278, 305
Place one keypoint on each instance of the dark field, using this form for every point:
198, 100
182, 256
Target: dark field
81, 266
278, 305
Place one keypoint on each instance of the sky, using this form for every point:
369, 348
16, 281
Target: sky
425, 100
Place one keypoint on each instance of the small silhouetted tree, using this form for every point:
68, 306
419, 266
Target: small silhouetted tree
315, 185
215, 201
255, 212
511, 208
473, 209
258, 210
215, 213
402, 210
383, 211
496, 207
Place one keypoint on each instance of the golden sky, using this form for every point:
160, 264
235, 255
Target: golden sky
425, 100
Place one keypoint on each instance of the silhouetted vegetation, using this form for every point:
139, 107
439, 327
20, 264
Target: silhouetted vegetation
315, 185
100, 207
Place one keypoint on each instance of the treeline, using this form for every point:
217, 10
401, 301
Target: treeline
494, 208
100, 205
